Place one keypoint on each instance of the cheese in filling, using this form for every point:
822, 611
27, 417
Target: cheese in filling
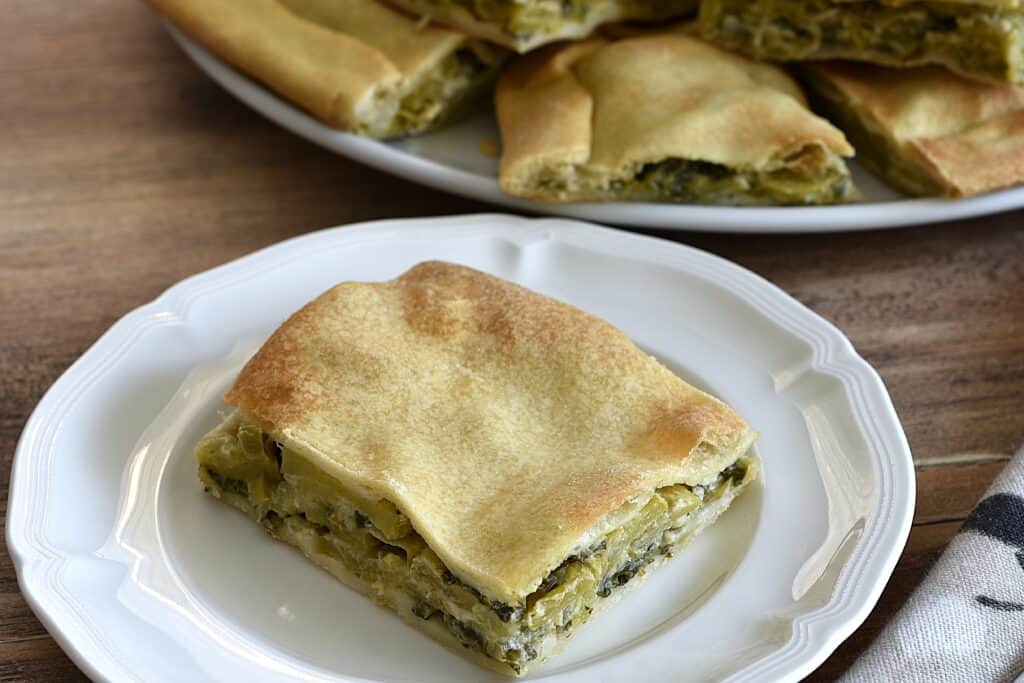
444, 94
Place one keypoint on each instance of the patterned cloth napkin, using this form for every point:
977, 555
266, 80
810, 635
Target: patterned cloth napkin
965, 622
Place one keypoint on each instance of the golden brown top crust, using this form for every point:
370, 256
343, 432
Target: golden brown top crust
612, 106
967, 133
506, 425
331, 57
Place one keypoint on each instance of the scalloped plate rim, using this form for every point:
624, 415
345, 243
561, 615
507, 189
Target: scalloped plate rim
829, 625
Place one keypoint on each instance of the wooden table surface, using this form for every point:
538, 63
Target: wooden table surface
123, 169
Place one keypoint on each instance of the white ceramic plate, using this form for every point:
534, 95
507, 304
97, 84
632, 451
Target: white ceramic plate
141, 576
449, 160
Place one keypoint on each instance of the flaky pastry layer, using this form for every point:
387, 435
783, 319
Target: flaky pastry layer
924, 130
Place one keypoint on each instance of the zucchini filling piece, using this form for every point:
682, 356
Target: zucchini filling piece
810, 176
682, 180
368, 538
973, 39
444, 94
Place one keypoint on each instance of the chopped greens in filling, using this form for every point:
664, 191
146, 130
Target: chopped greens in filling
700, 181
811, 176
444, 94
524, 19
976, 40
373, 541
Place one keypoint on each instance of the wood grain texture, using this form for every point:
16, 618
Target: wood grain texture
124, 169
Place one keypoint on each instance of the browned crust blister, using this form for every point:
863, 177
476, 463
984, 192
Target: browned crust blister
506, 425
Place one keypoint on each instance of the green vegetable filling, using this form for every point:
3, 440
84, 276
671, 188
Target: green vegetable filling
292, 499
682, 180
973, 39
811, 176
445, 94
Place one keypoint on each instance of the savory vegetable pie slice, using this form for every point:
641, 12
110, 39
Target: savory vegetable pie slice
925, 130
357, 65
978, 38
526, 24
496, 466
663, 117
